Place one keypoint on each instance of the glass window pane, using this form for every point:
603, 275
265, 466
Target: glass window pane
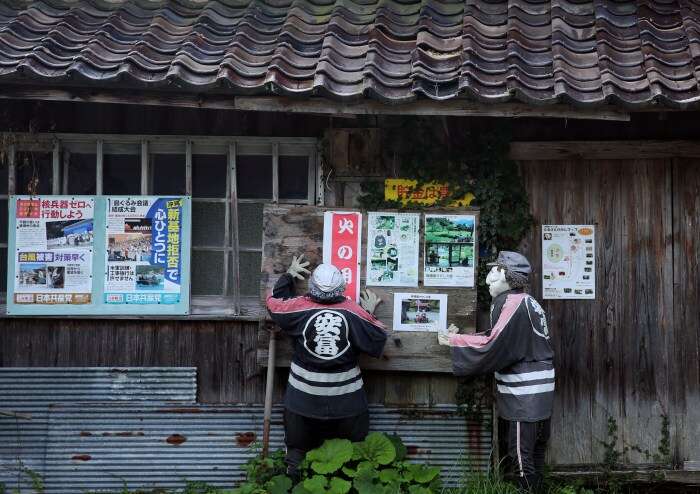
3, 221
3, 176
294, 177
3, 270
122, 174
168, 172
254, 175
249, 269
209, 175
82, 173
207, 272
208, 223
34, 173
250, 225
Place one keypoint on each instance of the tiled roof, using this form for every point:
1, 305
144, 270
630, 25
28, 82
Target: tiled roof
585, 52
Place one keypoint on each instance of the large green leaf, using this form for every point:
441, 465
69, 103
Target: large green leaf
365, 486
419, 489
399, 446
279, 484
423, 473
332, 455
316, 484
376, 448
389, 476
339, 486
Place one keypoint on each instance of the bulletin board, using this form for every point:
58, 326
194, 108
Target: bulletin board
98, 255
293, 230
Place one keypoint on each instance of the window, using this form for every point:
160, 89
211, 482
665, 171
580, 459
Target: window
230, 179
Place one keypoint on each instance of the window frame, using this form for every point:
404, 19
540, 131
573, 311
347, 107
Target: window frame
230, 303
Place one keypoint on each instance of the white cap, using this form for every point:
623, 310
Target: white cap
327, 278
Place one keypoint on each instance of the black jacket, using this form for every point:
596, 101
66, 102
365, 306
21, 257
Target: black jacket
517, 350
324, 379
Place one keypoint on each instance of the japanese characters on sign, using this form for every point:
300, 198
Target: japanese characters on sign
407, 191
342, 244
568, 261
53, 250
143, 250
392, 249
449, 250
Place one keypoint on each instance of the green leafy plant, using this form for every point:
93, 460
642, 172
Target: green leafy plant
376, 465
265, 476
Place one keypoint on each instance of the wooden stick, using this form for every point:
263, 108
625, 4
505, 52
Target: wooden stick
269, 387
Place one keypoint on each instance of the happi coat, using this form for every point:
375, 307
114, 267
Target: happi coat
325, 381
517, 350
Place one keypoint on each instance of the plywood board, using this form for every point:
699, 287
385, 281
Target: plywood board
293, 230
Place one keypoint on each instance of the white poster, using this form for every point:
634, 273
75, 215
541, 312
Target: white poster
449, 250
392, 249
54, 248
568, 261
143, 254
420, 311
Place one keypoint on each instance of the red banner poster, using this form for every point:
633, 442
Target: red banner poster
342, 243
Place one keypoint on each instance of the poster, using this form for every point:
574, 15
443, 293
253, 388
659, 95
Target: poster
449, 250
53, 250
143, 250
342, 247
420, 311
392, 249
568, 261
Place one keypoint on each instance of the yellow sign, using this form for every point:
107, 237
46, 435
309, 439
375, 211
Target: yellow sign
401, 189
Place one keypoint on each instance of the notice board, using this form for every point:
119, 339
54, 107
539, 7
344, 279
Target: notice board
99, 255
293, 230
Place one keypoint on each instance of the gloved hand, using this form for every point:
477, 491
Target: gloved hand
298, 266
369, 301
444, 334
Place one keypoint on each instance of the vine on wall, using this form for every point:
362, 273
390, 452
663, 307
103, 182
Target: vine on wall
426, 150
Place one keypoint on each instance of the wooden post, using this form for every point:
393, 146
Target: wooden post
269, 387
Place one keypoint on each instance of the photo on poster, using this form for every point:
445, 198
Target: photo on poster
128, 247
392, 249
32, 274
69, 234
449, 251
150, 277
420, 311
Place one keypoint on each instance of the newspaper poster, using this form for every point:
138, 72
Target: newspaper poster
143, 254
392, 249
342, 244
568, 261
53, 250
449, 250
420, 311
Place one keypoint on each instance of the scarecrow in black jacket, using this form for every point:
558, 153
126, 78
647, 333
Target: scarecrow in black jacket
517, 350
325, 397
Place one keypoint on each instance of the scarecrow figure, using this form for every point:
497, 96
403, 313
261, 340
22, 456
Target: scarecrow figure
325, 397
517, 350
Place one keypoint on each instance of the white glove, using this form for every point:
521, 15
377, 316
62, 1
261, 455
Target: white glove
298, 266
444, 334
369, 301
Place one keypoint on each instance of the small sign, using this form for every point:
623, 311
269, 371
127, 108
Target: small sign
568, 261
420, 311
428, 194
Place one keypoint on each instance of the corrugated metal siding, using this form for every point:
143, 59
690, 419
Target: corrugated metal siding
104, 446
32, 391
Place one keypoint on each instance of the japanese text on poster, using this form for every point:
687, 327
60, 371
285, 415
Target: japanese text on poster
53, 250
428, 194
392, 249
342, 244
449, 250
143, 255
420, 311
568, 261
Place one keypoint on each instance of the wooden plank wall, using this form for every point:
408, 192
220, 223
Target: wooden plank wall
631, 354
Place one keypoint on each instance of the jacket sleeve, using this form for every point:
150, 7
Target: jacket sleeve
505, 345
284, 308
368, 334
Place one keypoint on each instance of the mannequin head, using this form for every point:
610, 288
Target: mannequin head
510, 271
326, 283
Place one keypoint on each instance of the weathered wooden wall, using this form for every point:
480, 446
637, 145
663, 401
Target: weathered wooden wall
631, 354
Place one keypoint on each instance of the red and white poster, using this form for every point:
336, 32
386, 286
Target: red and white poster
342, 243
